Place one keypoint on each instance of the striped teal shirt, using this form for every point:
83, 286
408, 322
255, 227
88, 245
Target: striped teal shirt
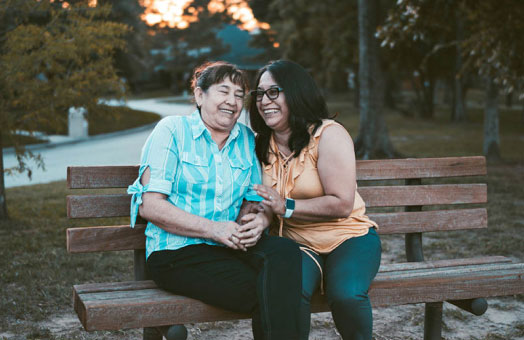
187, 166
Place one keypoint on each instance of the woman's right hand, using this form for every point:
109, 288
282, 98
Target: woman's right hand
272, 199
227, 233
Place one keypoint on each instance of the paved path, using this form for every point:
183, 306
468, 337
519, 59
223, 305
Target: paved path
121, 148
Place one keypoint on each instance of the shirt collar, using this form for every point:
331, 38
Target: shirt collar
198, 127
196, 123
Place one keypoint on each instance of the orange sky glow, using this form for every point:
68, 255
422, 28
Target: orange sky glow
171, 13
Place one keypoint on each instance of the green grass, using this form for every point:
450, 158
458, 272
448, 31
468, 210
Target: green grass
37, 272
438, 137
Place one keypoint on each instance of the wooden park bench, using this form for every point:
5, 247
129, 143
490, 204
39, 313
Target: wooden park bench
407, 184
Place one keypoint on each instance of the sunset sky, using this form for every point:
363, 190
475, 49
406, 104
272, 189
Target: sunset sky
171, 12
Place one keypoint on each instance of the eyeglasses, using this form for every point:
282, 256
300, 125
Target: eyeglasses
272, 93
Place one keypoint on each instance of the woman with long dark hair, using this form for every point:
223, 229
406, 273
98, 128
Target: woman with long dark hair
309, 183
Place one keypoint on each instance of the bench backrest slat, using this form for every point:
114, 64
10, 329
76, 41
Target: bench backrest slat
93, 177
105, 238
114, 205
109, 238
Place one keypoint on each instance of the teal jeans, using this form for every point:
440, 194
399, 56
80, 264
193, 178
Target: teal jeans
348, 271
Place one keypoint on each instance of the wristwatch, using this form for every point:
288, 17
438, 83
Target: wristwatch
290, 207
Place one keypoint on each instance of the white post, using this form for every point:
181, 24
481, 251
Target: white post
77, 123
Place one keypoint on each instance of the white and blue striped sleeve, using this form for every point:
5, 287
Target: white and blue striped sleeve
160, 155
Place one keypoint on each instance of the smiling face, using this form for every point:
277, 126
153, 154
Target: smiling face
220, 105
274, 112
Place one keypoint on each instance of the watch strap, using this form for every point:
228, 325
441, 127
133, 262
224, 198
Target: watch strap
290, 208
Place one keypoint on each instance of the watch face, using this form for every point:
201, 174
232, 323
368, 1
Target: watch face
290, 203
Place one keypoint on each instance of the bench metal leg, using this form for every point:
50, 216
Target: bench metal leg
174, 332
474, 306
152, 334
433, 321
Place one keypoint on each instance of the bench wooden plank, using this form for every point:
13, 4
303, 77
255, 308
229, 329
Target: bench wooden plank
393, 196
385, 169
105, 238
395, 267
95, 177
100, 205
85, 177
153, 307
431, 220
114, 205
122, 237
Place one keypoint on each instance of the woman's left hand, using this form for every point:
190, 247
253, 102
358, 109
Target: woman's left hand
251, 228
272, 199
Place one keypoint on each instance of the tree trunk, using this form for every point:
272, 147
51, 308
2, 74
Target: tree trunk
3, 205
373, 140
491, 145
459, 108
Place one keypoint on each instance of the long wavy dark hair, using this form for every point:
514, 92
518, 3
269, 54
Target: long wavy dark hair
305, 102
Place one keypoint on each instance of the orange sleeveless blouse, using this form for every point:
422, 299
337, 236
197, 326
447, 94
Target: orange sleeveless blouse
297, 178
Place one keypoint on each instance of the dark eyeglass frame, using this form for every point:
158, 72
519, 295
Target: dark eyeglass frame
259, 94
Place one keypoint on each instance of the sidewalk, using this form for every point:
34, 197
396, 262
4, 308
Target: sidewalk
116, 148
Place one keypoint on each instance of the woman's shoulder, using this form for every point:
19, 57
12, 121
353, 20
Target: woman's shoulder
328, 124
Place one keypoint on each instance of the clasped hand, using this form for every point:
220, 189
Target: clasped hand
241, 235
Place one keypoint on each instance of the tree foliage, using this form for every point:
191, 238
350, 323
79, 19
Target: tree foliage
492, 44
322, 36
133, 62
53, 56
421, 37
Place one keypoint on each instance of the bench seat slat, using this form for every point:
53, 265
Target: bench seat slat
116, 205
395, 267
384, 268
149, 307
122, 237
91, 177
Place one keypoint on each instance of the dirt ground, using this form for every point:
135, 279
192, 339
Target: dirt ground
503, 320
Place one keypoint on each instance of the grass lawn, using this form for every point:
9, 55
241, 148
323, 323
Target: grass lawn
37, 272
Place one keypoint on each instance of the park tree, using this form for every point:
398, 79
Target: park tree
53, 55
489, 41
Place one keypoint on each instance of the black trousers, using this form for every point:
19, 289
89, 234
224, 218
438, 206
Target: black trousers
264, 281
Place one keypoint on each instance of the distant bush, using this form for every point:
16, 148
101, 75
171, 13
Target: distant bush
106, 119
